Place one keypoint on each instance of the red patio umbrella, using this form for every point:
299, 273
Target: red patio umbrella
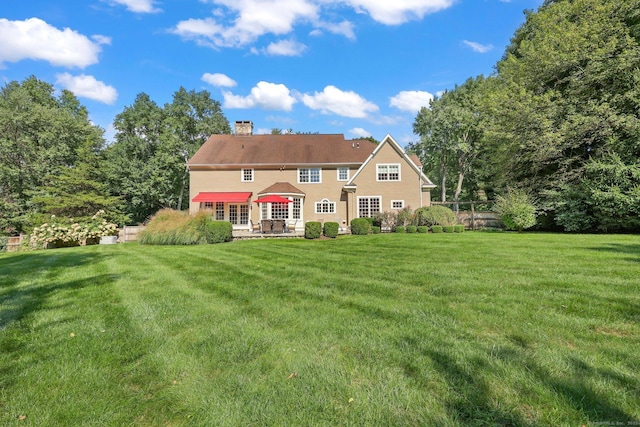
272, 199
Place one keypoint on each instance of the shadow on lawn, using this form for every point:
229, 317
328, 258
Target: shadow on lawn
471, 402
574, 385
625, 249
21, 305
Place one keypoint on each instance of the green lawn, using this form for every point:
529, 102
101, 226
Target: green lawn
386, 330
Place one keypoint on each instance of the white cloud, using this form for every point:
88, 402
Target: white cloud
344, 28
477, 47
411, 100
88, 87
35, 39
238, 23
334, 100
265, 95
138, 6
218, 80
359, 132
253, 19
285, 48
394, 12
101, 39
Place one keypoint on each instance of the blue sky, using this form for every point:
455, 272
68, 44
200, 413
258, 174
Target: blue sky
356, 67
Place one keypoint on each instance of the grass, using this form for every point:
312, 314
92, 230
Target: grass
451, 330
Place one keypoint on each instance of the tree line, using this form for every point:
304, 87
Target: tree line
558, 120
55, 161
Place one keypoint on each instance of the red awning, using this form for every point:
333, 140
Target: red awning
227, 197
272, 199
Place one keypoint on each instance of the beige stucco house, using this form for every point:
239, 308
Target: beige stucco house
315, 178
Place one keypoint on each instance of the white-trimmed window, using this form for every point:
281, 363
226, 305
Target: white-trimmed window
369, 206
343, 174
279, 210
247, 175
309, 175
208, 206
244, 214
219, 211
388, 172
233, 214
297, 208
325, 207
397, 204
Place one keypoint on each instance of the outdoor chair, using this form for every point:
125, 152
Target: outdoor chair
278, 226
255, 227
266, 225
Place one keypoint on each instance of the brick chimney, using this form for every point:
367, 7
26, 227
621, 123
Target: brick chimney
244, 127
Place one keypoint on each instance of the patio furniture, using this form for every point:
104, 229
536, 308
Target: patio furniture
291, 227
265, 226
255, 227
278, 226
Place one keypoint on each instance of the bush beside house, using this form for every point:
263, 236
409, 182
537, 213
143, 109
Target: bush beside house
312, 230
360, 226
331, 229
171, 227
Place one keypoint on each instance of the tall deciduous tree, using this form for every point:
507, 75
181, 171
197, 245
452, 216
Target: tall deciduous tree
39, 135
451, 133
147, 162
568, 97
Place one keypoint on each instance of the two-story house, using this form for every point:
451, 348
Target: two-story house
244, 178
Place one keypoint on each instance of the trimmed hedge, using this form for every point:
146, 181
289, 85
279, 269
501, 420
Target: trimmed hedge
399, 229
218, 231
375, 229
360, 226
436, 229
449, 228
412, 229
331, 229
458, 228
422, 229
312, 230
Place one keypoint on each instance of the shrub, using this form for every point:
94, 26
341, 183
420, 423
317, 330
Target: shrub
404, 216
436, 229
434, 215
376, 230
63, 232
516, 210
412, 229
449, 228
312, 230
422, 229
218, 231
399, 229
331, 229
360, 226
3, 243
458, 228
385, 220
171, 227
